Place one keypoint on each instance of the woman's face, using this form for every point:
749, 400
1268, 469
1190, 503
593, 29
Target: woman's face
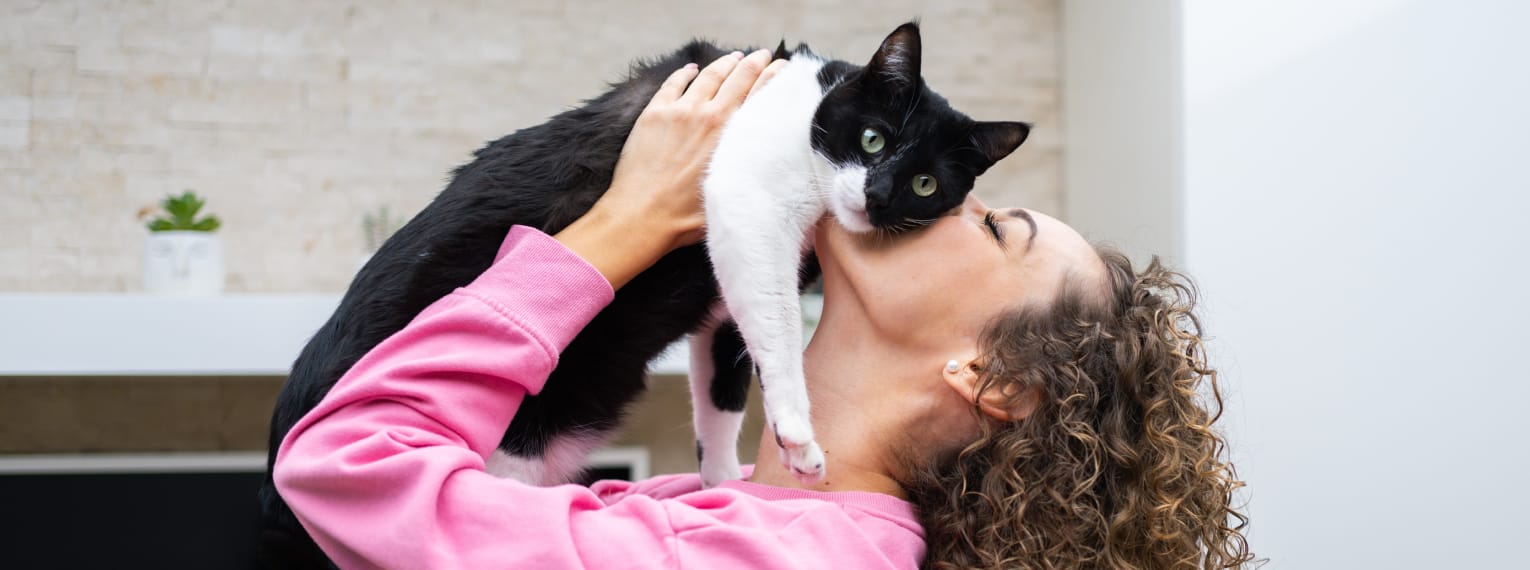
940, 285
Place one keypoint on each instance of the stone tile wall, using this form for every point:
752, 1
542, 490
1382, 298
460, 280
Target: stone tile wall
296, 117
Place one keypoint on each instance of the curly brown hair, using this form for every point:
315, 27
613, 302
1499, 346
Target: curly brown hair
1117, 466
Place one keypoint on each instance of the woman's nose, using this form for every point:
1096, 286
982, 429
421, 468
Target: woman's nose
972, 208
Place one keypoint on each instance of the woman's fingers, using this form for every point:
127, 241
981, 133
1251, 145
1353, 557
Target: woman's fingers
674, 86
770, 71
706, 84
729, 79
743, 77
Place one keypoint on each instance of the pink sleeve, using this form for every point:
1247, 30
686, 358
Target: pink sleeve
388, 470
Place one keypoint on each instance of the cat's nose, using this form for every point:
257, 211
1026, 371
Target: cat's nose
875, 200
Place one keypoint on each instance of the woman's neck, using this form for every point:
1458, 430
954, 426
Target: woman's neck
843, 473
860, 416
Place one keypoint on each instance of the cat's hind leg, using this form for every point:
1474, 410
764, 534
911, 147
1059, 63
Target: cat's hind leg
560, 461
719, 379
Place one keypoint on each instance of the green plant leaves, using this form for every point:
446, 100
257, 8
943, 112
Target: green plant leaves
182, 212
207, 224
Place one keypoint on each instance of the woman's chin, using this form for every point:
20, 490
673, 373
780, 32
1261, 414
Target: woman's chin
843, 239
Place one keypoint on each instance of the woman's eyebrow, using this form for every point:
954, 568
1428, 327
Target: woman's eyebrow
1024, 215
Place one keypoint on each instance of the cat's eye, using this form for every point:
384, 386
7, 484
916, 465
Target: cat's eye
924, 185
872, 141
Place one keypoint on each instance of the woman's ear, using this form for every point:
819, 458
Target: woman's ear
999, 403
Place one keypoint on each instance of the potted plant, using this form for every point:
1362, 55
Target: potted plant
183, 254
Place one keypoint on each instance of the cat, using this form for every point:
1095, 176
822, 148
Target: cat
871, 144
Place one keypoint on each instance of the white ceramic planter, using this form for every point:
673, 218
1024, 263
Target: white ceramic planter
183, 263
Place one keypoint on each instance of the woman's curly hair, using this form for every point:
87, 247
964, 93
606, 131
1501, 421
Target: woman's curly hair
1117, 466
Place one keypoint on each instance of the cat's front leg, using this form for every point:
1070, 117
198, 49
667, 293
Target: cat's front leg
757, 264
795, 409
719, 379
784, 387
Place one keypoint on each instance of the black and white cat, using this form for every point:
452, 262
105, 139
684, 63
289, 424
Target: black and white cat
871, 145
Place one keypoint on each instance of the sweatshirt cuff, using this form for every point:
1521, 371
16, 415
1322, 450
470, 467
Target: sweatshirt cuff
546, 290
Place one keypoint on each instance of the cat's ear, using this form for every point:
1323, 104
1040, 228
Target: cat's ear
896, 63
997, 139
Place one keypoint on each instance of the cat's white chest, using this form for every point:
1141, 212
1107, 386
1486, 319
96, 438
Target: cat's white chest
769, 139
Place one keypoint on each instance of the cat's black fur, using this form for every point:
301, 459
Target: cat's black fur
545, 177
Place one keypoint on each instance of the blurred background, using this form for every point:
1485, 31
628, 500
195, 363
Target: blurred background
1343, 179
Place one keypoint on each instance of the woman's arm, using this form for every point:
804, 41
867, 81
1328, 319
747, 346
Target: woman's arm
388, 469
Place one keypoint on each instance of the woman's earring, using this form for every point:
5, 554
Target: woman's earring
952, 366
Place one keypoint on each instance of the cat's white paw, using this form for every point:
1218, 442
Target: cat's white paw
715, 471
806, 462
799, 453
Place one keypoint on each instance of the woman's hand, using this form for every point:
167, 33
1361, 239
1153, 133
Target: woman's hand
654, 203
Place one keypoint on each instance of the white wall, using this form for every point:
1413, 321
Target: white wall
1355, 204
1120, 63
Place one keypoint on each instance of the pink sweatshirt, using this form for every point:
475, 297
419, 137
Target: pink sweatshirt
388, 471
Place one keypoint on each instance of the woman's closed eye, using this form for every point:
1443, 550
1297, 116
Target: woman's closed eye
993, 228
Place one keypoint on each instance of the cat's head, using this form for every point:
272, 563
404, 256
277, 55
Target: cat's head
902, 155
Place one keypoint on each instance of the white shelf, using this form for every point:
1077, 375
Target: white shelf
676, 360
151, 335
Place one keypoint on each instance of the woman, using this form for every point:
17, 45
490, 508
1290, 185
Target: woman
990, 385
